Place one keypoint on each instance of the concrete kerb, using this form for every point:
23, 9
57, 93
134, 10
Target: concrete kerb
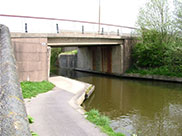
81, 94
80, 97
153, 77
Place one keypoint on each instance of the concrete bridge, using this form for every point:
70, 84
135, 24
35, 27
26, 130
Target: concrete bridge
96, 53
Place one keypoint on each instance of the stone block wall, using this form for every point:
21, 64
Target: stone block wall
32, 55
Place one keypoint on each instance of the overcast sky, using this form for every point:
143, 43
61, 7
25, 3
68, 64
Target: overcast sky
120, 12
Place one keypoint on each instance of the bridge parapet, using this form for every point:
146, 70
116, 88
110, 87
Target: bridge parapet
13, 117
75, 39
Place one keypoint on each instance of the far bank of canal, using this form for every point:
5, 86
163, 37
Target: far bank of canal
146, 108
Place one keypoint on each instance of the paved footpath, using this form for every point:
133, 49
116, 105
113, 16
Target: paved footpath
53, 114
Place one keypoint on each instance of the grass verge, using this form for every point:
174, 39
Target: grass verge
31, 89
102, 122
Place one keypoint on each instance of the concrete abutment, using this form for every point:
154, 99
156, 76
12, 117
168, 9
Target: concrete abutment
33, 58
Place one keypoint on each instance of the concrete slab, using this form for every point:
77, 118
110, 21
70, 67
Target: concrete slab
70, 85
53, 114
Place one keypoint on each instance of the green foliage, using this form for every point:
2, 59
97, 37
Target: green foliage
148, 55
102, 122
155, 15
157, 59
54, 55
156, 22
178, 14
159, 51
34, 134
30, 119
31, 89
70, 52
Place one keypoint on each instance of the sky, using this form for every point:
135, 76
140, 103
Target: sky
119, 12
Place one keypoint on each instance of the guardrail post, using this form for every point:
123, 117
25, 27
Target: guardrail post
82, 29
57, 28
26, 28
102, 33
118, 32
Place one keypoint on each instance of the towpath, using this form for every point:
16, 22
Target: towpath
53, 114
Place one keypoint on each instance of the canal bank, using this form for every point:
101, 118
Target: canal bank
55, 112
153, 77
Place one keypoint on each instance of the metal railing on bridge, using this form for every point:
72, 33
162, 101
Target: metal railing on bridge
30, 24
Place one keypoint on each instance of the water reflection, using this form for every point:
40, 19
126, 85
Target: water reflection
142, 107
135, 106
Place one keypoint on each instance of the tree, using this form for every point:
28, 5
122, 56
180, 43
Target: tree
157, 34
156, 16
160, 46
178, 14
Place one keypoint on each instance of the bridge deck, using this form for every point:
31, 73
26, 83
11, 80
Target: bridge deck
74, 39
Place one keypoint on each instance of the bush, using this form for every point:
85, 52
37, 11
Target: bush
148, 55
157, 60
151, 53
151, 50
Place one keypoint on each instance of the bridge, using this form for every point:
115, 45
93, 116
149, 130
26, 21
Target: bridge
103, 52
96, 53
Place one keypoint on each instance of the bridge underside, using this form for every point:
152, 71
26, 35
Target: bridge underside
101, 59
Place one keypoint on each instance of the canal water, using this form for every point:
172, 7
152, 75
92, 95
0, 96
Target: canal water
145, 108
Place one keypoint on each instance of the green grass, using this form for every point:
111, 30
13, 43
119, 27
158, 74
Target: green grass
102, 122
70, 52
163, 71
31, 89
34, 134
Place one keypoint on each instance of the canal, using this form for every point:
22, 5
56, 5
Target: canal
145, 108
